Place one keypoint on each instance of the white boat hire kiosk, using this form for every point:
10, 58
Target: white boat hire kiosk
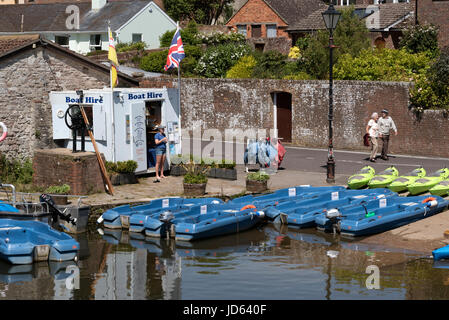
124, 128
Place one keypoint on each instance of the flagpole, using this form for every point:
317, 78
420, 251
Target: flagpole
112, 102
179, 106
179, 100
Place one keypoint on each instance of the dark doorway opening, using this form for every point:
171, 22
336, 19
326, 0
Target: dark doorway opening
283, 102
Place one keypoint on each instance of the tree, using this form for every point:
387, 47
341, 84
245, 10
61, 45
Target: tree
202, 11
350, 37
420, 38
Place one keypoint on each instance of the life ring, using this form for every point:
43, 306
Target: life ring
5, 131
248, 206
428, 199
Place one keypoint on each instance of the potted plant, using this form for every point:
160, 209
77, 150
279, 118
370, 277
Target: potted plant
195, 179
257, 181
59, 193
122, 172
226, 170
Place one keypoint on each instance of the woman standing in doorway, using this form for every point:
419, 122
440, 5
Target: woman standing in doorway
161, 148
373, 130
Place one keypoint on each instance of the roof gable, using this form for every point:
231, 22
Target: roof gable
19, 43
288, 11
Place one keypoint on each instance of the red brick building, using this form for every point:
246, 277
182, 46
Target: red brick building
264, 22
435, 12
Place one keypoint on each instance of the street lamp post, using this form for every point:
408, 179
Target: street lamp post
331, 17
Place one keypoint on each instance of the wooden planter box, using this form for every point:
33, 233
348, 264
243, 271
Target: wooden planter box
123, 178
256, 186
194, 189
220, 173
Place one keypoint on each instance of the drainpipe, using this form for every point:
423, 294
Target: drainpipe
416, 12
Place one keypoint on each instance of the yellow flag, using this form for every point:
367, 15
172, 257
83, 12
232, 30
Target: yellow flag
114, 78
112, 56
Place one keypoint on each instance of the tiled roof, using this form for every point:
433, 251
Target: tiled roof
8, 43
53, 16
393, 15
292, 10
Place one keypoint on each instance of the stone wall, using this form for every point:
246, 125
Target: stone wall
26, 80
248, 104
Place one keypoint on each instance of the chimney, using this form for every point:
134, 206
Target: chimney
98, 4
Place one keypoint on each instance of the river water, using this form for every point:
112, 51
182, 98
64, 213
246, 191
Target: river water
265, 263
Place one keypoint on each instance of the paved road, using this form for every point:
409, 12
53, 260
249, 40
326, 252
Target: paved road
347, 162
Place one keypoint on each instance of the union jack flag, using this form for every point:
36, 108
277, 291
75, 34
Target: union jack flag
176, 52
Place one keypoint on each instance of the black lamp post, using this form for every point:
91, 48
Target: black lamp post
331, 17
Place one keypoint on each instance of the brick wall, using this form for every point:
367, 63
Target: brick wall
26, 80
257, 12
80, 171
248, 104
437, 13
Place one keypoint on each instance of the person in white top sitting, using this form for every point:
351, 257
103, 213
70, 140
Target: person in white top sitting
373, 130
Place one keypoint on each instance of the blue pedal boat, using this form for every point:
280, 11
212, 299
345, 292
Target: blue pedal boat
137, 221
119, 217
287, 194
364, 222
24, 242
217, 223
441, 253
302, 213
154, 227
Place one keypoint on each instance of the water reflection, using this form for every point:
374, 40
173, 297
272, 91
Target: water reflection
272, 262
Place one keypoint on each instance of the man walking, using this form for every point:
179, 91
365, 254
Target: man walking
386, 124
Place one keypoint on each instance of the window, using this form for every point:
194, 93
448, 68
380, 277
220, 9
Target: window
62, 40
137, 37
242, 29
271, 31
95, 42
256, 31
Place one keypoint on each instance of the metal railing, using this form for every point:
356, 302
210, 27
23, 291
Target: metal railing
26, 201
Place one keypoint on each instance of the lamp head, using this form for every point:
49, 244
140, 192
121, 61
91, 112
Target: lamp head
331, 17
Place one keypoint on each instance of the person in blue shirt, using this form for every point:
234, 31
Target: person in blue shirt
161, 148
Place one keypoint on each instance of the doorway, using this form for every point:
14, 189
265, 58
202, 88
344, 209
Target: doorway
283, 109
153, 118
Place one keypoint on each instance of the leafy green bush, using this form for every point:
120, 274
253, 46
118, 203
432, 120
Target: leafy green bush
124, 46
420, 38
62, 189
217, 60
16, 171
189, 36
431, 90
270, 65
258, 176
382, 65
195, 178
154, 61
129, 166
217, 38
243, 69
351, 36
